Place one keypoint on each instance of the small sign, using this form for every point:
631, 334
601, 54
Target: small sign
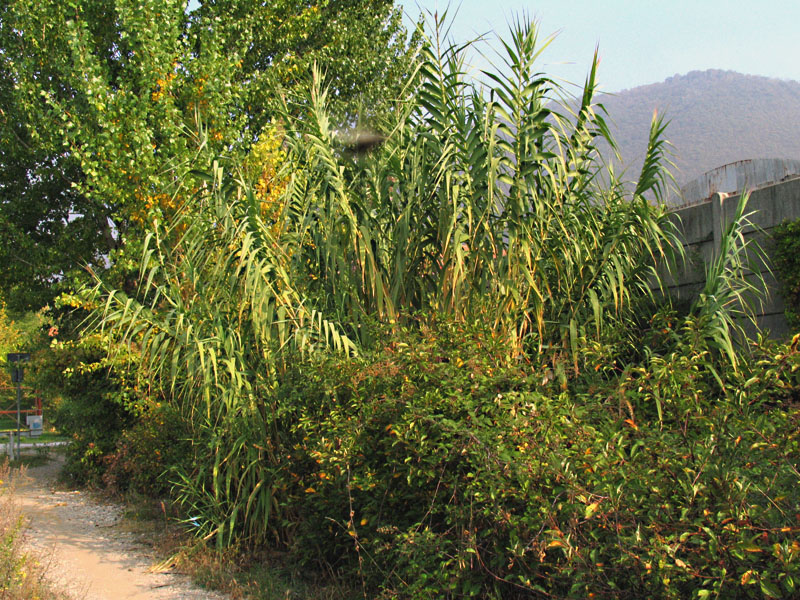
35, 424
18, 357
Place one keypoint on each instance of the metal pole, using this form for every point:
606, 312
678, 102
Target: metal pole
19, 417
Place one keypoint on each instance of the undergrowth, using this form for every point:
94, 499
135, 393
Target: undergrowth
242, 573
435, 469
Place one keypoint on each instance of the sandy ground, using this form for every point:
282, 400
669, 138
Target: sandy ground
89, 554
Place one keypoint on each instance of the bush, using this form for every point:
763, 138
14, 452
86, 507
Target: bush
786, 260
144, 453
95, 398
437, 469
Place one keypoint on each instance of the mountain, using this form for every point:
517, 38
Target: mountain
715, 118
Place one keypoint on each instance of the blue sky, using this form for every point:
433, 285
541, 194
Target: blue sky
641, 41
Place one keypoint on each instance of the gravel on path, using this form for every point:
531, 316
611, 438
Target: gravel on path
88, 553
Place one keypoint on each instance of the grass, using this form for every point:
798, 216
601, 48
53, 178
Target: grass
45, 438
268, 580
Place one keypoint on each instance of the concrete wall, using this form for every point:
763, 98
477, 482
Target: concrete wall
741, 175
702, 226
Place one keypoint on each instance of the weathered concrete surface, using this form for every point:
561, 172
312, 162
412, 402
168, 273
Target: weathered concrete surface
732, 178
702, 226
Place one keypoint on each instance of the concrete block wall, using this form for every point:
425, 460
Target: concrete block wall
702, 226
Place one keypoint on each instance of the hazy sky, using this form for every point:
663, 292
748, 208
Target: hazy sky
642, 41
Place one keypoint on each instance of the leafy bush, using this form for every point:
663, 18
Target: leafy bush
786, 260
157, 442
438, 469
95, 397
22, 333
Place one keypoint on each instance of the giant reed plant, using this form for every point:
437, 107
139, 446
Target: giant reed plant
734, 286
218, 304
484, 202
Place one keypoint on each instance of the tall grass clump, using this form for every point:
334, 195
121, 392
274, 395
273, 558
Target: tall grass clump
485, 202
733, 286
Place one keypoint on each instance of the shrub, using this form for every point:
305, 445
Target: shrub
157, 442
786, 260
95, 399
436, 469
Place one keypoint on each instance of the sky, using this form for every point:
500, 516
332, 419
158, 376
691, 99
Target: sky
639, 41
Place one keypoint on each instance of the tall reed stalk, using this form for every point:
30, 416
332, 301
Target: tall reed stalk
484, 202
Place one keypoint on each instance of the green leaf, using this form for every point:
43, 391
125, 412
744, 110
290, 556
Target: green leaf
770, 589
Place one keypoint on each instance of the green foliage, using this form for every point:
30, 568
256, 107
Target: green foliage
422, 366
220, 303
94, 396
481, 203
435, 469
96, 131
786, 260
729, 294
88, 109
9, 334
362, 46
10, 337
25, 333
474, 208
157, 441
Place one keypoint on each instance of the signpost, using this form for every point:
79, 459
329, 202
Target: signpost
15, 359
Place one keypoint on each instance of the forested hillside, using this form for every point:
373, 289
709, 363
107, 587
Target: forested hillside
715, 118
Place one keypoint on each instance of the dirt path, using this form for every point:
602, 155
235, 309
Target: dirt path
89, 554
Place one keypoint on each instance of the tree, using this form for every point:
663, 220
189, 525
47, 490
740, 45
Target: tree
107, 108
